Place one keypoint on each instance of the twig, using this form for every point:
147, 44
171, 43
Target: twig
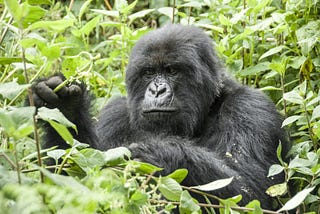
71, 4
31, 101
108, 4
173, 10
244, 209
9, 160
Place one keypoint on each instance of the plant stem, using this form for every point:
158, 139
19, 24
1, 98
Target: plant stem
31, 101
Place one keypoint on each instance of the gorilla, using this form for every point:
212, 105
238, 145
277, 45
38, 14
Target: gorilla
182, 111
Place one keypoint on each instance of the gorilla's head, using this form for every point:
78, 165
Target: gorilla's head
172, 80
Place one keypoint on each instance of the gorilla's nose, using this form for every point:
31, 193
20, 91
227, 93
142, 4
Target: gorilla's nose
159, 91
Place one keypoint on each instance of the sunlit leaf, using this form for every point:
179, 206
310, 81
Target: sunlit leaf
170, 188
296, 200
218, 184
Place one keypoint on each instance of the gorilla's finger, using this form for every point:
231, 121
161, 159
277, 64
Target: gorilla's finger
38, 102
74, 90
46, 93
53, 82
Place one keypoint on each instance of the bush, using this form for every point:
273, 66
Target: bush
271, 45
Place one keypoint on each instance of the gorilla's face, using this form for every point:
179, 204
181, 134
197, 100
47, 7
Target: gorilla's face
170, 82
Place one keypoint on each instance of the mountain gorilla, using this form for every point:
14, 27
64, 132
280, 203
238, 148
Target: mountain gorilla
182, 111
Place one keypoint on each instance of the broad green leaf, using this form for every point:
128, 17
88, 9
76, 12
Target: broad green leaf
62, 131
83, 8
87, 28
296, 200
179, 175
218, 184
53, 26
293, 97
272, 51
127, 9
211, 27
31, 14
170, 188
308, 36
275, 169
9, 60
56, 154
145, 168
140, 14
14, 9
256, 69
111, 13
194, 4
315, 113
17, 123
279, 67
116, 155
89, 158
291, 120
65, 181
296, 62
48, 115
188, 204
256, 205
167, 11
10, 90
277, 190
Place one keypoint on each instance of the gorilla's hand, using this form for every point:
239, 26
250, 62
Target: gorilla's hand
67, 99
167, 153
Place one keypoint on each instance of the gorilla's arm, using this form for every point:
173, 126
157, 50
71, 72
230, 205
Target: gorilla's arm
73, 101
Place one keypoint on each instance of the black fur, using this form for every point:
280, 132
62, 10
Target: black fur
215, 127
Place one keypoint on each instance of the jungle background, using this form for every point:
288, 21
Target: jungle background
273, 45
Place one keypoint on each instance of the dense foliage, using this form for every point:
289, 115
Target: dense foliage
269, 44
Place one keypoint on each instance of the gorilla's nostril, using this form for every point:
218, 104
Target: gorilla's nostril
161, 91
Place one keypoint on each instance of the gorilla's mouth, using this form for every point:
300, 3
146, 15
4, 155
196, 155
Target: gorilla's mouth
159, 110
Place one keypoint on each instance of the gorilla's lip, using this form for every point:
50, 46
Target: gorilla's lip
159, 110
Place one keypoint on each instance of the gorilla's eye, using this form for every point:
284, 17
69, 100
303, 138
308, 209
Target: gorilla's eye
171, 71
148, 72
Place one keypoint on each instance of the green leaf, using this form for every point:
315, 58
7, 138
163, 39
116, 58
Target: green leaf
31, 14
256, 69
170, 188
145, 168
14, 9
111, 13
315, 113
188, 204
275, 169
277, 190
83, 8
53, 26
17, 123
48, 115
10, 90
56, 154
194, 4
218, 184
117, 155
9, 60
272, 51
167, 11
296, 200
256, 205
87, 28
62, 131
291, 120
293, 97
140, 14
89, 158
179, 175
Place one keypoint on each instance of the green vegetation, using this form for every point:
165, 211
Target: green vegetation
269, 44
